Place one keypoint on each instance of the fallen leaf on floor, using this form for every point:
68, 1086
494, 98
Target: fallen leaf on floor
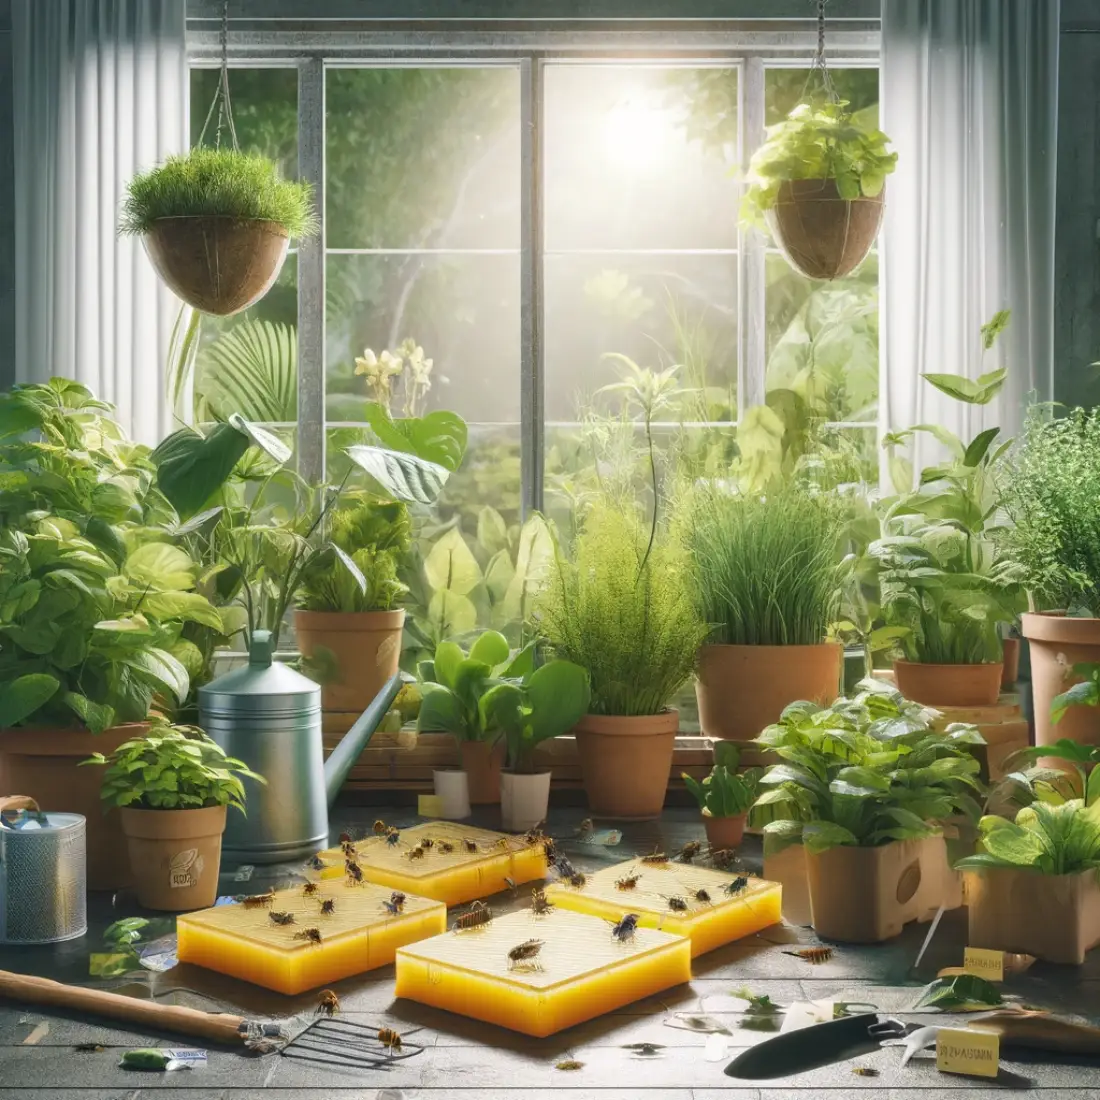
962, 993
569, 1064
41, 1030
762, 1013
690, 1021
145, 1059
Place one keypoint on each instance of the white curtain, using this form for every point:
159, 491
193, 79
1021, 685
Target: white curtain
100, 92
969, 96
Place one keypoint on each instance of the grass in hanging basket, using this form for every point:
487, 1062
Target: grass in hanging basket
218, 182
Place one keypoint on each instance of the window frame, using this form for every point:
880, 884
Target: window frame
749, 46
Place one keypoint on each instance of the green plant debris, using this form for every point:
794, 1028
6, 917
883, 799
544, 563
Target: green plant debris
964, 993
145, 1059
762, 1013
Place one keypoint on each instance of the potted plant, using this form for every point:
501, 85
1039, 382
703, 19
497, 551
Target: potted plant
817, 181
766, 574
865, 786
216, 224
621, 609
725, 796
1052, 496
171, 787
950, 589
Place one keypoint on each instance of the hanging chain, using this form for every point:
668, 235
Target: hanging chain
221, 93
819, 66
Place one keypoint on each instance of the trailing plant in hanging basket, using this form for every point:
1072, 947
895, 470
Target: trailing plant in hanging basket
216, 224
818, 183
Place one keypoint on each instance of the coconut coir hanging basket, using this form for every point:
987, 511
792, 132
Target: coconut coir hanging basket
821, 234
217, 264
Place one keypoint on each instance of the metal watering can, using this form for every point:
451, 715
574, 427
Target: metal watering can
269, 716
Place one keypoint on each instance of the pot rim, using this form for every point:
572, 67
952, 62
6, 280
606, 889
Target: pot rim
1059, 628
663, 724
350, 621
704, 812
67, 740
193, 824
982, 666
272, 226
523, 775
815, 646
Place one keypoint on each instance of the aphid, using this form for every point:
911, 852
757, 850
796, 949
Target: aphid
626, 927
446, 847
415, 853
89, 1048
548, 850
315, 863
565, 868
258, 901
392, 837
736, 887
655, 858
426, 842
864, 1071
689, 851
703, 896
353, 871
328, 907
540, 903
328, 1004
281, 918
389, 1039
577, 880
677, 905
313, 935
813, 955
471, 845
380, 828
627, 883
310, 889
478, 914
569, 1064
526, 953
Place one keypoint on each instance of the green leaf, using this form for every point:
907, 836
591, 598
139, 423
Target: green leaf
994, 327
448, 658
491, 648
160, 565
558, 694
402, 476
979, 446
1084, 694
451, 566
24, 695
438, 437
820, 836
184, 606
492, 531
96, 716
267, 441
963, 992
251, 370
965, 389
191, 468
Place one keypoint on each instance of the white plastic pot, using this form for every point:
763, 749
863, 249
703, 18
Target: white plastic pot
453, 792
524, 800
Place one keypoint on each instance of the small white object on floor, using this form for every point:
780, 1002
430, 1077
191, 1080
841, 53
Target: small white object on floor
717, 1048
41, 1030
919, 1040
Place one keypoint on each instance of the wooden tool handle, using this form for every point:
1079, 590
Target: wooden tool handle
17, 802
215, 1027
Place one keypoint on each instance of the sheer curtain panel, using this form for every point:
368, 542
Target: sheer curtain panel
969, 93
100, 92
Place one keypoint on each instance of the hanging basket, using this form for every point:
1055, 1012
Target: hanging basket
822, 235
217, 264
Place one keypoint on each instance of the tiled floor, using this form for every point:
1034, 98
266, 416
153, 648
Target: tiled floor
466, 1059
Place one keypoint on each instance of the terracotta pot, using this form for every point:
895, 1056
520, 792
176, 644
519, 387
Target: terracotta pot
743, 688
724, 832
482, 763
42, 764
1053, 917
1010, 654
1056, 643
364, 647
949, 685
217, 264
626, 762
453, 791
524, 800
175, 856
820, 234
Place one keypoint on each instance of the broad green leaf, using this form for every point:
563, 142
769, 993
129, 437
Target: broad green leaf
23, 696
964, 992
402, 476
558, 694
438, 437
96, 716
267, 441
160, 565
451, 566
994, 327
469, 680
978, 447
1010, 843
492, 531
534, 560
820, 836
501, 708
184, 606
191, 468
251, 370
1084, 694
440, 711
448, 658
491, 648
451, 614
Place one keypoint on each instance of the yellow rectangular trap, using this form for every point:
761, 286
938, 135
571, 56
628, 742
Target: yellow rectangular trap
443, 860
579, 971
357, 934
709, 907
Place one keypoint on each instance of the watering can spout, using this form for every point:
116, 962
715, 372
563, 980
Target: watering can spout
354, 741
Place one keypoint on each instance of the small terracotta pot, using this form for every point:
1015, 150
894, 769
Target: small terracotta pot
482, 763
364, 645
1010, 654
453, 791
524, 800
43, 764
949, 685
724, 832
1056, 643
175, 856
626, 762
741, 689
217, 264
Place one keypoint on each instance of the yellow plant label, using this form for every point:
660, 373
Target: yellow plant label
429, 805
975, 1053
985, 963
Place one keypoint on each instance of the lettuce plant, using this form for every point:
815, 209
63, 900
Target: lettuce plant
1051, 839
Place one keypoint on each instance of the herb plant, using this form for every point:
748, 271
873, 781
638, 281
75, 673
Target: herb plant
172, 768
218, 182
725, 792
821, 141
865, 771
766, 570
1059, 839
1036, 782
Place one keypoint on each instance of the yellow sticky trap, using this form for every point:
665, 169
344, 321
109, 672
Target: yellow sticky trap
709, 922
429, 805
975, 1053
582, 970
359, 934
985, 963
453, 876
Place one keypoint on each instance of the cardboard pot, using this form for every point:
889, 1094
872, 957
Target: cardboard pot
482, 764
743, 688
217, 264
949, 685
822, 235
453, 791
42, 764
724, 832
363, 648
626, 761
175, 856
1056, 643
524, 800
1053, 917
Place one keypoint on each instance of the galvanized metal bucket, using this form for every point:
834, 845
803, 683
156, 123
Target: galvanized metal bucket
43, 874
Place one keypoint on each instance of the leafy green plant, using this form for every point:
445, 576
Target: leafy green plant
1027, 780
1085, 693
621, 608
961, 993
726, 792
251, 370
765, 570
817, 142
172, 768
865, 771
218, 182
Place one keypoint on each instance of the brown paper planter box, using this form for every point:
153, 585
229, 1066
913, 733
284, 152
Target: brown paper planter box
867, 895
1053, 917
